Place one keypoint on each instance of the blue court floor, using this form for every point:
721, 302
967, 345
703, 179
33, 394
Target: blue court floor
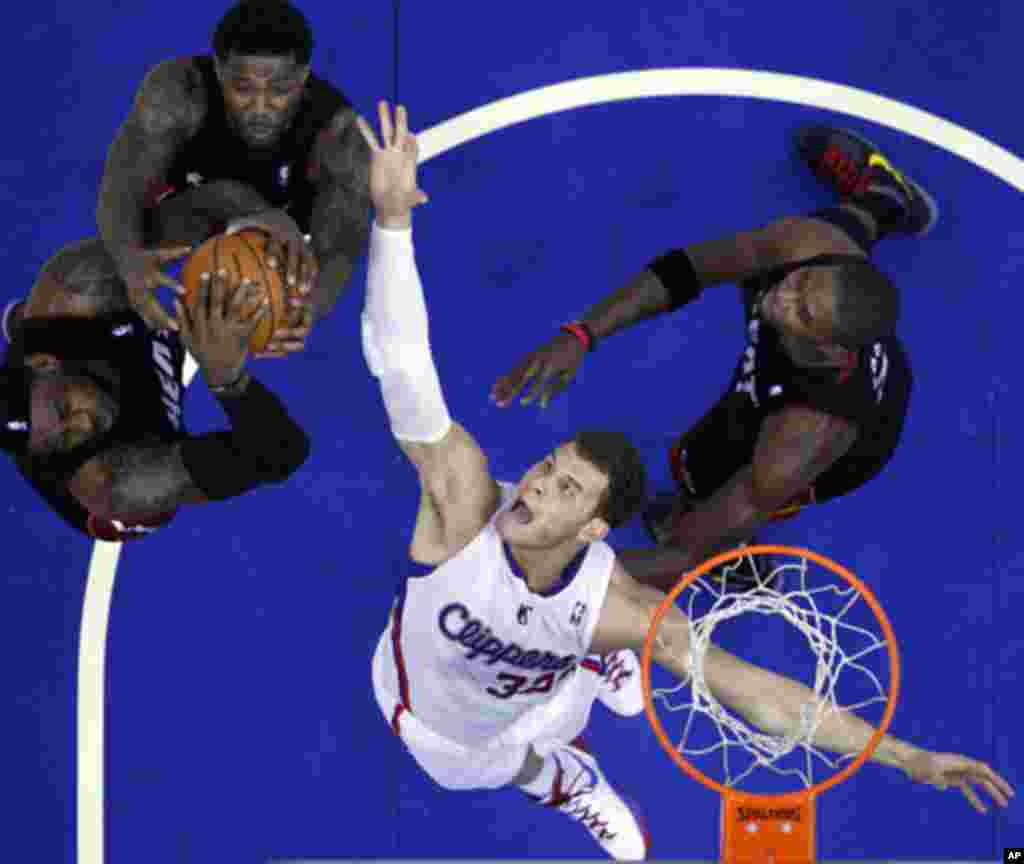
239, 720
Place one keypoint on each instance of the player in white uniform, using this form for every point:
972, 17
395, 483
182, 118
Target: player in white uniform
477, 669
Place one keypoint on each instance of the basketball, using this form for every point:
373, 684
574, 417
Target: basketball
242, 255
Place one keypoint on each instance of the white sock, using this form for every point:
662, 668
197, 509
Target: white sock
541, 785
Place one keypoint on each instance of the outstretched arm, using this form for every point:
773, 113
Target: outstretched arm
771, 702
458, 494
668, 282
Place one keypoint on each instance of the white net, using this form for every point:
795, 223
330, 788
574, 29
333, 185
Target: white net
786, 587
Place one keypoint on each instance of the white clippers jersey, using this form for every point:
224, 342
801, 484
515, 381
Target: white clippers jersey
469, 649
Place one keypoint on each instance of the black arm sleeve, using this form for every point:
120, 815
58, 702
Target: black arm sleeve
263, 446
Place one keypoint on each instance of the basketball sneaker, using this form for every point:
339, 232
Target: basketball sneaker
853, 166
582, 793
620, 690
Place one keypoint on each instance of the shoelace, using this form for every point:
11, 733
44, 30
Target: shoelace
569, 802
616, 674
848, 174
588, 816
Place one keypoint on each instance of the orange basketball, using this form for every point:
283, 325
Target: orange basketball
242, 255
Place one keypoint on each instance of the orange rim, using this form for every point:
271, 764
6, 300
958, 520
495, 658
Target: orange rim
876, 608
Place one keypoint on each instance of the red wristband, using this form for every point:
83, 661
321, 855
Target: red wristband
582, 332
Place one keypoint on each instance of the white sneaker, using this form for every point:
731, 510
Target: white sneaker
583, 794
621, 690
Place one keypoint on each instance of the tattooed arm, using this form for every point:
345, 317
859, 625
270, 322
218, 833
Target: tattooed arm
169, 107
340, 224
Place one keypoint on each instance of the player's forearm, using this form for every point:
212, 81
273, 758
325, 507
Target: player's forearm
672, 280
334, 280
641, 298
782, 708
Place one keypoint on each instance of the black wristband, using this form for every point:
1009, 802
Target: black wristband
678, 275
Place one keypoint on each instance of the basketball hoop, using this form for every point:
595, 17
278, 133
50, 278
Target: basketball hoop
759, 828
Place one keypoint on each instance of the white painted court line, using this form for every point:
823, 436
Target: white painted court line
92, 688
582, 92
744, 83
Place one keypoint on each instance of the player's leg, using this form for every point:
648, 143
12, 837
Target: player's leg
701, 460
878, 195
569, 779
554, 773
559, 771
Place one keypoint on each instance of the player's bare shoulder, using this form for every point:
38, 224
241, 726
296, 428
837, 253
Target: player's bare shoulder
172, 99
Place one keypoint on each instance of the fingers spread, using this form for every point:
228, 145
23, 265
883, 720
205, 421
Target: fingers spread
184, 322
387, 133
972, 797
537, 387
220, 295
368, 136
513, 383
156, 316
556, 386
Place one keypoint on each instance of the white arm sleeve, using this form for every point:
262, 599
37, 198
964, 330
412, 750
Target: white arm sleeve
396, 340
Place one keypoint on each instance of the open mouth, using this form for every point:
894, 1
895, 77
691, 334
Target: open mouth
520, 512
261, 132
